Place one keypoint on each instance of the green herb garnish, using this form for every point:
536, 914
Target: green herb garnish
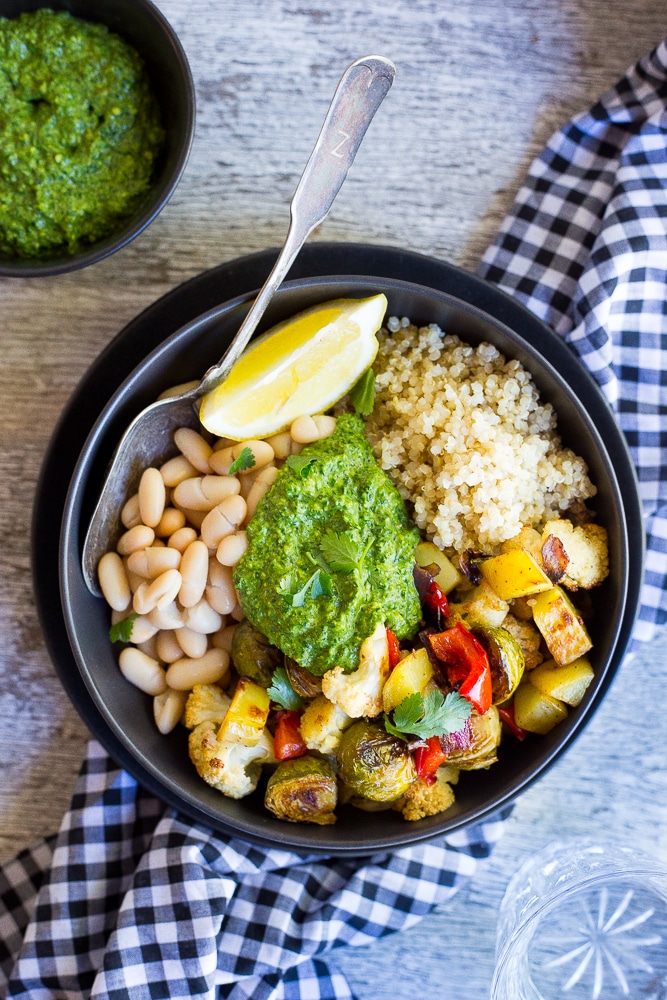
300, 463
244, 461
362, 394
317, 584
433, 715
341, 551
122, 630
282, 692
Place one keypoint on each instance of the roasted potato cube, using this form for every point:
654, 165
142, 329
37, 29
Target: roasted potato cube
587, 551
448, 576
481, 606
410, 675
246, 716
568, 682
536, 712
514, 574
563, 630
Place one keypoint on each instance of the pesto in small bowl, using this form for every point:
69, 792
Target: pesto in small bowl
80, 133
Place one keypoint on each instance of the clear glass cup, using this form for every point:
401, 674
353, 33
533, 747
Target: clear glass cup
583, 919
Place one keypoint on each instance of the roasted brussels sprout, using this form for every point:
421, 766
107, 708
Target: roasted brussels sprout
506, 660
253, 655
303, 790
480, 751
374, 764
304, 683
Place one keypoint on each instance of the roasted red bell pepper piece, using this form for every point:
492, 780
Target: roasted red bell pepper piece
287, 739
506, 713
436, 599
428, 759
466, 663
395, 654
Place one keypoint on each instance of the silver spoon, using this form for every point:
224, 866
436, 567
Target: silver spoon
148, 439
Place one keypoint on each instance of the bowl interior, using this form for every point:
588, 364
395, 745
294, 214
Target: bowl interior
144, 27
129, 714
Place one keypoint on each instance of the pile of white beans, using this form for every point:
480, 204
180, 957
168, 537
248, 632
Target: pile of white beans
172, 567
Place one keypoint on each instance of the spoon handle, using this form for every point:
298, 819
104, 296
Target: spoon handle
361, 90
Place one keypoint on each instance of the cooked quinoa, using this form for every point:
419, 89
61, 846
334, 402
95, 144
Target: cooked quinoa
464, 436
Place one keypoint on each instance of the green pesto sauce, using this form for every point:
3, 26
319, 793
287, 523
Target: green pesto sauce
342, 490
79, 133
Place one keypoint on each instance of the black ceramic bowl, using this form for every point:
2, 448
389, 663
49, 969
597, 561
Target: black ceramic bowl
144, 27
124, 716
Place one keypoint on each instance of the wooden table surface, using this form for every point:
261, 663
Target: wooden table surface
480, 86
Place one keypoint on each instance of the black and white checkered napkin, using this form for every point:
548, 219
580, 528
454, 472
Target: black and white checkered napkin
131, 900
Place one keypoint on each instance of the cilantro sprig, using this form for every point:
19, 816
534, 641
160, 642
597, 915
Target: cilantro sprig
343, 553
244, 460
122, 630
430, 715
362, 394
282, 692
300, 464
318, 583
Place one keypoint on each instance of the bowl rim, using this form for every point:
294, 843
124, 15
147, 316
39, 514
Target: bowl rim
412, 835
19, 267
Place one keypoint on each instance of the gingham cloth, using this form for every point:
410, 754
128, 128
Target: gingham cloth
131, 900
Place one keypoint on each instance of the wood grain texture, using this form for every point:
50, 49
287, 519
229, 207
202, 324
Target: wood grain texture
481, 85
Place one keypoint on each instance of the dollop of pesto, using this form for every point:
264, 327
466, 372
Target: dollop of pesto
80, 133
330, 554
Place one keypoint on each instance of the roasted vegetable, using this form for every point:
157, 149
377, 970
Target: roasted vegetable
568, 682
562, 628
304, 683
442, 569
374, 764
253, 655
246, 716
322, 725
480, 606
486, 732
465, 664
586, 549
287, 739
206, 703
303, 790
411, 674
360, 693
422, 800
514, 574
537, 712
506, 661
231, 768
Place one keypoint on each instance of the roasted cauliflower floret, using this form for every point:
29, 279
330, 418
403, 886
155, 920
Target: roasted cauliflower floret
206, 703
322, 725
587, 550
422, 800
360, 693
230, 767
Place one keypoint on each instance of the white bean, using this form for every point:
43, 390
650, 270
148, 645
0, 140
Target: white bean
152, 496
142, 631
176, 469
307, 429
204, 492
136, 538
260, 487
142, 671
130, 515
220, 591
224, 638
203, 618
171, 521
193, 644
212, 667
223, 520
153, 561
168, 617
113, 581
182, 538
194, 573
158, 593
148, 646
167, 647
231, 548
168, 709
195, 448
282, 444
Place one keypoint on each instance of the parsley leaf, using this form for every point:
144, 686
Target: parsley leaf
245, 460
362, 394
122, 630
428, 716
300, 463
282, 692
341, 551
317, 584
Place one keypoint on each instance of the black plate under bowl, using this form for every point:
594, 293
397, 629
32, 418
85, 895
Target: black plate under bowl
114, 390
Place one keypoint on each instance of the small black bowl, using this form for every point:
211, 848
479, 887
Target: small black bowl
144, 27
127, 715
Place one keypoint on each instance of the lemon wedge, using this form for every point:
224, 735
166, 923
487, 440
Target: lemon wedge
297, 368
